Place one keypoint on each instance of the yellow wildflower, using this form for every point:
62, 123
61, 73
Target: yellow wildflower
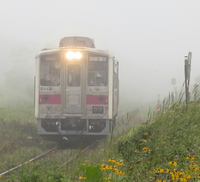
137, 151
173, 176
111, 160
82, 177
145, 133
159, 170
145, 149
121, 173
167, 171
175, 170
107, 167
192, 164
187, 176
173, 163
183, 179
194, 169
120, 163
107, 178
158, 180
191, 158
114, 168
103, 167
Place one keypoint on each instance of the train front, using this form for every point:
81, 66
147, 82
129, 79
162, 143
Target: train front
74, 93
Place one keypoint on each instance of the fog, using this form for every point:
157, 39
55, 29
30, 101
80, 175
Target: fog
148, 38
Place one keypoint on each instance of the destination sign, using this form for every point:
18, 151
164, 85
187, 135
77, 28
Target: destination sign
50, 57
97, 58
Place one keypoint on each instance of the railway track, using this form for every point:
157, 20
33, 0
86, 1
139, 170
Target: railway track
31, 160
44, 155
127, 115
76, 156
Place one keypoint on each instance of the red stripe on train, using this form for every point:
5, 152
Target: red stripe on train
50, 99
97, 99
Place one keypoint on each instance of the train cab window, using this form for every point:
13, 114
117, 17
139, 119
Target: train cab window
97, 71
49, 71
73, 75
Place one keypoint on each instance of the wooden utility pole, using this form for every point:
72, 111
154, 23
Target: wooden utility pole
187, 76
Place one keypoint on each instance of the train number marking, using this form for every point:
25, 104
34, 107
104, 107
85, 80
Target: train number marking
44, 88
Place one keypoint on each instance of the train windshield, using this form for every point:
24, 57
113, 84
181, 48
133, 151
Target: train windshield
97, 71
50, 70
74, 75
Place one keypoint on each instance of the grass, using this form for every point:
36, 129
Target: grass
48, 168
164, 148
18, 133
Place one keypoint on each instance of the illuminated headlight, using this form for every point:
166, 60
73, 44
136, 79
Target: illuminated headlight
78, 55
72, 55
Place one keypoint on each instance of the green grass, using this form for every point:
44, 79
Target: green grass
18, 134
169, 140
48, 169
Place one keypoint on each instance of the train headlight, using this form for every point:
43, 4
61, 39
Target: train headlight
78, 55
70, 55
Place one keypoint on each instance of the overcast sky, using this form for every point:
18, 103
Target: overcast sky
148, 37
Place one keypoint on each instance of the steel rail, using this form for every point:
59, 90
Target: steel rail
85, 149
31, 160
74, 157
45, 153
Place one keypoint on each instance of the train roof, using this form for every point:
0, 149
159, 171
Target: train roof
84, 49
85, 44
77, 41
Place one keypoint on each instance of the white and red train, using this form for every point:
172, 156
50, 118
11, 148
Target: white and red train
76, 90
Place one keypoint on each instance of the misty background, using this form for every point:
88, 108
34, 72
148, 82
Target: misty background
148, 38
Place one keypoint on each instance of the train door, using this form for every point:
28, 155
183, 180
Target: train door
73, 88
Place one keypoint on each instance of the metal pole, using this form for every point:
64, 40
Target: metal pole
186, 83
187, 76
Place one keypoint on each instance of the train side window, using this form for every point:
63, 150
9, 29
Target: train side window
49, 73
73, 75
97, 71
116, 68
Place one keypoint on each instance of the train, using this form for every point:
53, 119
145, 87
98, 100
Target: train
76, 91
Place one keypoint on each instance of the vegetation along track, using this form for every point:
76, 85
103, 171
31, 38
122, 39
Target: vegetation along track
31, 160
75, 155
45, 154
